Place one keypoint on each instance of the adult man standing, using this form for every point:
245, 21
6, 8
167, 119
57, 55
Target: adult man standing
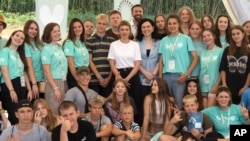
25, 130
137, 13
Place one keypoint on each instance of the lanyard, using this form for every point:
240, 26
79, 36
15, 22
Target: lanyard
172, 46
210, 57
228, 119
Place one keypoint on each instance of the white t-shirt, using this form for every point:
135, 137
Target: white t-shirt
124, 54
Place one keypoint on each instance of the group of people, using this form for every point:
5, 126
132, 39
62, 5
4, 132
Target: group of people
159, 79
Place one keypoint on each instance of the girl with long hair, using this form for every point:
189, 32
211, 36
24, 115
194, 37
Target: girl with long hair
33, 46
157, 109
14, 80
117, 98
235, 64
75, 50
44, 115
222, 31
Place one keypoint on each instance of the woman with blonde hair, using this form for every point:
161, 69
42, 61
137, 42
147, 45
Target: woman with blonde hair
186, 15
44, 115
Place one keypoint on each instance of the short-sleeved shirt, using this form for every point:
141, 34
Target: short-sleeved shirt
75, 95
223, 42
222, 119
237, 67
85, 132
104, 120
34, 52
209, 67
110, 33
12, 60
37, 133
124, 54
54, 56
78, 51
133, 127
3, 42
98, 47
113, 114
175, 52
199, 47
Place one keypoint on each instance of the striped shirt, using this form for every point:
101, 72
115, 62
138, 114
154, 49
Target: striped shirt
98, 47
133, 127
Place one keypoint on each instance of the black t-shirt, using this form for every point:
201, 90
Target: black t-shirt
85, 132
237, 67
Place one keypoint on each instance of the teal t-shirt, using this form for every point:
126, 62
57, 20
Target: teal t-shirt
3, 42
11, 58
79, 52
175, 51
209, 67
33, 52
54, 56
199, 47
222, 119
223, 42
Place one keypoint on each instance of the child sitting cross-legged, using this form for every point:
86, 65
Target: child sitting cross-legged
101, 123
126, 128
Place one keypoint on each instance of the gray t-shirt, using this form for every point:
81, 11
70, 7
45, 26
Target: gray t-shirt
75, 95
37, 133
104, 120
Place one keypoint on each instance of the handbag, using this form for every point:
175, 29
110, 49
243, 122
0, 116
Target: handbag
42, 85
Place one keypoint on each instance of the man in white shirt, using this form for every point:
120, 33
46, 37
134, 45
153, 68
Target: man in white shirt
137, 13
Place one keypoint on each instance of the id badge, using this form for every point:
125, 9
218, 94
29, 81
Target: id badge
22, 81
206, 78
171, 64
63, 73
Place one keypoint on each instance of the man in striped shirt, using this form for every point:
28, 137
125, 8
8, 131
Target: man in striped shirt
98, 46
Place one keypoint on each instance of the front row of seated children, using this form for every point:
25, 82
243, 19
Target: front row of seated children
124, 129
74, 129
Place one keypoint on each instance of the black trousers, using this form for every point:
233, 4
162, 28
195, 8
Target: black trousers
135, 91
6, 99
71, 80
105, 92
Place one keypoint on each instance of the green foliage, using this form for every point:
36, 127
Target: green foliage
17, 18
87, 9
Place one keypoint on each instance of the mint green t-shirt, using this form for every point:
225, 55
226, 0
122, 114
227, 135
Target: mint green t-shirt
54, 56
209, 67
223, 42
12, 60
33, 52
199, 47
222, 119
79, 52
175, 51
3, 42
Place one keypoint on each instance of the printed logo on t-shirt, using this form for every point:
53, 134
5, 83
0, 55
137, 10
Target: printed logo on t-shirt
237, 64
83, 139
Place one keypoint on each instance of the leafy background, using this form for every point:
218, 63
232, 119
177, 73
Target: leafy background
16, 12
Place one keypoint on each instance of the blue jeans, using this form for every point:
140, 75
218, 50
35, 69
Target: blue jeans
176, 89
